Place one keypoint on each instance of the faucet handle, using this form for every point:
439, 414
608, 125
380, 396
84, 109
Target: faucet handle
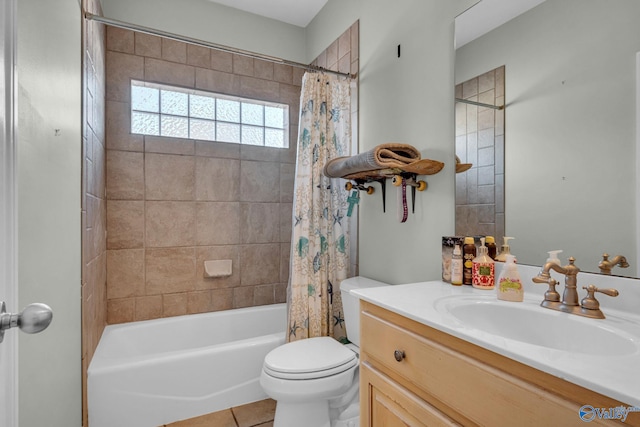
590, 302
551, 296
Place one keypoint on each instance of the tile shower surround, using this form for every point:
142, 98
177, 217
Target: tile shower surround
174, 203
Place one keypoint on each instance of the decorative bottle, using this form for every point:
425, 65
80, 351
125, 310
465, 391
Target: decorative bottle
483, 276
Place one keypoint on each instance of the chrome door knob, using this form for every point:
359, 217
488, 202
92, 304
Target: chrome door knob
33, 319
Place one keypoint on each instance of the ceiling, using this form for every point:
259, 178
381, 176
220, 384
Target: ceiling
296, 12
476, 21
487, 15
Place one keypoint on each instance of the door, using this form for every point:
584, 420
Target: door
40, 171
8, 350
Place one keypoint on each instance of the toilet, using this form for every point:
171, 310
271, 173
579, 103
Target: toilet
315, 381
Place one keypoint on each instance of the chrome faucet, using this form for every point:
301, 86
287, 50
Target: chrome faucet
588, 307
607, 264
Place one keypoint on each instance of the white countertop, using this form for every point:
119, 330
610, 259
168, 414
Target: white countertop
616, 376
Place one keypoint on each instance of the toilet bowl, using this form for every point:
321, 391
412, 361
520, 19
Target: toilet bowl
315, 381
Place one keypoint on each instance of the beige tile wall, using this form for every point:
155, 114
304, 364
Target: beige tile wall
174, 203
94, 250
343, 55
480, 141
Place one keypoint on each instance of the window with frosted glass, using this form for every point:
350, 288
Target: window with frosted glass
162, 110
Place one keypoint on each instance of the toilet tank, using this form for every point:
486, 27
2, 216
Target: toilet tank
351, 304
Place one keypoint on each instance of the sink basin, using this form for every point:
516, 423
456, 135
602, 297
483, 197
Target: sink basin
529, 323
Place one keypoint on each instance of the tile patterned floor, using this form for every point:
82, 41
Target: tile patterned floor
257, 414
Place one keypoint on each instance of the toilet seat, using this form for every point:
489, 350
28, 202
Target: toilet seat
309, 359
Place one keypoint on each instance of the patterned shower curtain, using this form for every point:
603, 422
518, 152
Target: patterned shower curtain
320, 235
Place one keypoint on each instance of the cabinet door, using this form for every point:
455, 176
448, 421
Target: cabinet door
384, 403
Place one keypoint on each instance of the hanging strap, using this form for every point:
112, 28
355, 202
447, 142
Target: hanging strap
403, 210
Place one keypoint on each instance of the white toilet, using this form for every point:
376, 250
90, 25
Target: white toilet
315, 381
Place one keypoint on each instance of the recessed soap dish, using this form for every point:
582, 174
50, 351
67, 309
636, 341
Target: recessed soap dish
218, 268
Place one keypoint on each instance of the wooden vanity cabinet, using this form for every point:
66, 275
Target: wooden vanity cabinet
440, 380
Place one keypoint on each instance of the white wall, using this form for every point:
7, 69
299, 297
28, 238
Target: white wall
48, 74
410, 100
570, 127
212, 22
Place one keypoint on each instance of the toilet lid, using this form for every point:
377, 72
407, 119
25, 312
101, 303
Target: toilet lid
309, 358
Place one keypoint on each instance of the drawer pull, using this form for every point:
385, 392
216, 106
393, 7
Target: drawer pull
399, 355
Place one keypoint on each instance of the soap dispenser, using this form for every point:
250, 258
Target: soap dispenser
483, 269
505, 250
553, 257
509, 284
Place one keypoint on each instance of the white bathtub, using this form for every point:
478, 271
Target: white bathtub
156, 372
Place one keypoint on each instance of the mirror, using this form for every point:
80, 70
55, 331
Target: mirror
570, 156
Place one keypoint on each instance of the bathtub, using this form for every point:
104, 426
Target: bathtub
155, 372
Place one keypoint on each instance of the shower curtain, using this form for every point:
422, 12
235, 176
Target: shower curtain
320, 234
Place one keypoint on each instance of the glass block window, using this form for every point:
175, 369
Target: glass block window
162, 110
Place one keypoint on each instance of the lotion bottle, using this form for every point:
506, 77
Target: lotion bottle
483, 269
505, 250
509, 284
456, 266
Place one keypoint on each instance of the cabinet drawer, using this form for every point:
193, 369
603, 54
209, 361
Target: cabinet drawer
476, 391
387, 404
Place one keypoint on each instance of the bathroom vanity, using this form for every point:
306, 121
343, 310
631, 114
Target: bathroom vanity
422, 367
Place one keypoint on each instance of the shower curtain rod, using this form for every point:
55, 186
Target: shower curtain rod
480, 104
128, 26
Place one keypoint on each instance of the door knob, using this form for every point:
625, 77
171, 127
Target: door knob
33, 319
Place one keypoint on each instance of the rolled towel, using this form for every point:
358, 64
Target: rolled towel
395, 154
383, 156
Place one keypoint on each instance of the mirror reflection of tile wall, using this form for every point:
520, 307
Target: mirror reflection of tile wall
480, 141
